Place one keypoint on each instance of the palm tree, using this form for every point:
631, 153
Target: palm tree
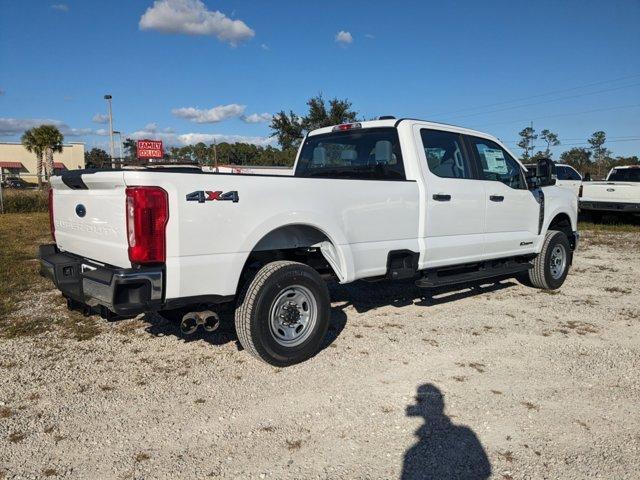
31, 142
50, 139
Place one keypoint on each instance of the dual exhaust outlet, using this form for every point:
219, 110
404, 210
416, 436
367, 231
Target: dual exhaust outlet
209, 320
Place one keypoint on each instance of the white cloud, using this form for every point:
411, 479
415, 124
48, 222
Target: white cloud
61, 7
212, 115
264, 46
100, 118
368, 35
16, 126
102, 132
257, 118
344, 38
191, 17
152, 127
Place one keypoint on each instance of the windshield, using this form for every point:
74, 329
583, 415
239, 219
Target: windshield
366, 154
624, 175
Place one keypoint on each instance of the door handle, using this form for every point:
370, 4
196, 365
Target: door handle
496, 198
441, 197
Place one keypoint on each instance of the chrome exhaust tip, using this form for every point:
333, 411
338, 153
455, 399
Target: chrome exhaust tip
189, 324
209, 320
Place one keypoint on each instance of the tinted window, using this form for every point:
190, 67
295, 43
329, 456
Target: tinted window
566, 173
445, 154
625, 175
368, 154
497, 164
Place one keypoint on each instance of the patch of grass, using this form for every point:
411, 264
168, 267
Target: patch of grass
5, 412
200, 400
20, 235
30, 201
507, 456
141, 457
50, 472
617, 290
530, 406
16, 437
608, 227
294, 445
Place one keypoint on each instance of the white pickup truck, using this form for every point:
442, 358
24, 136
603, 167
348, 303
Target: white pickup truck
384, 199
618, 194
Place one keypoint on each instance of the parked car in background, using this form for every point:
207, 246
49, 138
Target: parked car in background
568, 177
618, 194
17, 183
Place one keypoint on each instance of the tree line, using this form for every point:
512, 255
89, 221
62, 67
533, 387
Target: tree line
593, 161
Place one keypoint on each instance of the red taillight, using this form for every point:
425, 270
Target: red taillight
52, 225
343, 127
147, 216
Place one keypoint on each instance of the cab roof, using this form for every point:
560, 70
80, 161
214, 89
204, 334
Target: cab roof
396, 122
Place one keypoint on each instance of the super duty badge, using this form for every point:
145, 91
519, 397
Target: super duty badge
208, 196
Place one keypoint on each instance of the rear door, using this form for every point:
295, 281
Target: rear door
452, 223
512, 211
568, 178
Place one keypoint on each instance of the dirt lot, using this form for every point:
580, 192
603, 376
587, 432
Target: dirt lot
498, 381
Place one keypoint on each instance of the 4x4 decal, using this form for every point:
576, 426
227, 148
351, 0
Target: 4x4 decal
209, 196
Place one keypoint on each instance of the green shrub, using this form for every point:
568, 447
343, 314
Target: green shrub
32, 201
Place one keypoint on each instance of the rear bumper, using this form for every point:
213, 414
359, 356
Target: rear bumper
622, 207
122, 291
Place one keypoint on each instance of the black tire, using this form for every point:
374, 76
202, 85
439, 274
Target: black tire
541, 275
253, 316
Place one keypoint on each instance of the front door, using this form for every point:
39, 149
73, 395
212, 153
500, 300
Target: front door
452, 229
512, 211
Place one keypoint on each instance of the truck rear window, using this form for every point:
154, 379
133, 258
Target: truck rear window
362, 154
625, 175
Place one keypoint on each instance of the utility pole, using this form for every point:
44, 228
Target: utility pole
111, 148
215, 156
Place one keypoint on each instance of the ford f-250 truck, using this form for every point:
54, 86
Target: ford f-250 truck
384, 199
618, 194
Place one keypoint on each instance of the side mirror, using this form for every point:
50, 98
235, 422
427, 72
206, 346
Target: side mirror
541, 174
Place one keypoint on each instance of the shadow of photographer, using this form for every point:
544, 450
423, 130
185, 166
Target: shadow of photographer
443, 450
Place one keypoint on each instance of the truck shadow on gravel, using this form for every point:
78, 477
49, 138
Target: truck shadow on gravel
443, 449
159, 326
365, 296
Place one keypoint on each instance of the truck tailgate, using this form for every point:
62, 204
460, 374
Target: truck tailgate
611, 192
89, 217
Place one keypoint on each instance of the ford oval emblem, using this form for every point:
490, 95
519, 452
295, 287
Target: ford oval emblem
80, 210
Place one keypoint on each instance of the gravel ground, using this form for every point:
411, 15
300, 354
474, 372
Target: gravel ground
498, 381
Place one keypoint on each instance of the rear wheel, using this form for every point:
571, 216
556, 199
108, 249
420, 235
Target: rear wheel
551, 266
283, 313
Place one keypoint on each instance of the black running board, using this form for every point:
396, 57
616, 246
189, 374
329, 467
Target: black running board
438, 277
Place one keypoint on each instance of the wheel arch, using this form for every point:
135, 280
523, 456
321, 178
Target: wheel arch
282, 237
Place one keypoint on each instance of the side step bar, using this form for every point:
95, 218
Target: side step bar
438, 277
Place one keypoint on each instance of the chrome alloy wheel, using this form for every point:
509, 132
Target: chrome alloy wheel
293, 315
558, 261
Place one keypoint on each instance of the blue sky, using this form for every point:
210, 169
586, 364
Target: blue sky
185, 70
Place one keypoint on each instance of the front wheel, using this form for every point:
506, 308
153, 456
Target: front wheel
283, 313
551, 266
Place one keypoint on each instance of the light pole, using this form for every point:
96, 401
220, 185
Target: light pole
116, 132
111, 149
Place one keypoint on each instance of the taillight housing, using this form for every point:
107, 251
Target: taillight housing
147, 216
52, 225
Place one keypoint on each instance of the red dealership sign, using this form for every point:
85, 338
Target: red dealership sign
149, 149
